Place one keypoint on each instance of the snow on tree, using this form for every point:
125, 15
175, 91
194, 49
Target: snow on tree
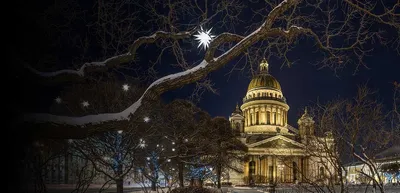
341, 32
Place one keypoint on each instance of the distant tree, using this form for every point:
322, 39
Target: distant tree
113, 154
361, 128
181, 127
226, 151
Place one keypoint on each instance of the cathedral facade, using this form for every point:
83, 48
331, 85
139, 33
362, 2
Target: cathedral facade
277, 152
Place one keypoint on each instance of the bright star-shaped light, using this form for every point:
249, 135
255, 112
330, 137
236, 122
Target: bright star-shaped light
58, 100
85, 104
204, 37
125, 87
146, 119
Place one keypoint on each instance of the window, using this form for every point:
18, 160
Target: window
257, 121
321, 172
237, 127
268, 117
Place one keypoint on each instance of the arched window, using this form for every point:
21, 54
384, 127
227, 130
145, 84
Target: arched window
258, 94
254, 95
237, 127
268, 117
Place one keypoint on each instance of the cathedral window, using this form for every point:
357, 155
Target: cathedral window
321, 172
257, 118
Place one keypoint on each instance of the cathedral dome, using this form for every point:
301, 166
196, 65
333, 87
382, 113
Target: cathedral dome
264, 80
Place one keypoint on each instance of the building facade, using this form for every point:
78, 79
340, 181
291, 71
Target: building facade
277, 152
387, 164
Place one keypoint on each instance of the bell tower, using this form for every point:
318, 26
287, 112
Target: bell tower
306, 126
237, 120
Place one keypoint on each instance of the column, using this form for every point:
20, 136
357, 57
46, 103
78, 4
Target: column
245, 115
273, 114
248, 117
278, 116
284, 117
253, 116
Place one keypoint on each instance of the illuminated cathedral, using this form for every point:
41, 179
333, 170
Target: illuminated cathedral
277, 151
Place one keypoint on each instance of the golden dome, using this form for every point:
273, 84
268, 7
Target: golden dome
264, 80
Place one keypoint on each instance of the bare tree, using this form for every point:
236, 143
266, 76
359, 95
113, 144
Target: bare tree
226, 150
113, 154
360, 128
341, 31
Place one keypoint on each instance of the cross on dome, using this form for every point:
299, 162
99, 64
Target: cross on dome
264, 65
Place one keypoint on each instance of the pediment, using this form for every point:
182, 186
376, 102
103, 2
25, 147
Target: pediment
278, 141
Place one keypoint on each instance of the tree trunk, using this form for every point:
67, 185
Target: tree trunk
180, 174
219, 172
154, 183
120, 185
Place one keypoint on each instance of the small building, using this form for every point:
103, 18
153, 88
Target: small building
387, 163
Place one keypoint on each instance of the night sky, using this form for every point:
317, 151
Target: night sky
302, 84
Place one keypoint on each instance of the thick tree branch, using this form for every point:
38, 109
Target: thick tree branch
171, 81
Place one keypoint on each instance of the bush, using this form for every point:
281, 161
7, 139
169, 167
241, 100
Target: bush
193, 189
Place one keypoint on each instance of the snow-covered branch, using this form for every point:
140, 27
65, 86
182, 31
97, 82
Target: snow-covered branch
176, 80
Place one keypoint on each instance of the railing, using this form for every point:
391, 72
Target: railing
283, 100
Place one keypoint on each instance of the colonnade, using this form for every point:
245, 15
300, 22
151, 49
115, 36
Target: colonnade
265, 114
272, 169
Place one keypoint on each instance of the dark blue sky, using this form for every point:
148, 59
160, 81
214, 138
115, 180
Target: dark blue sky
302, 84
